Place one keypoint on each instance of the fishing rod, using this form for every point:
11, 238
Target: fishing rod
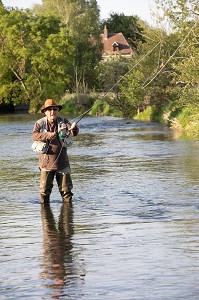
80, 117
138, 62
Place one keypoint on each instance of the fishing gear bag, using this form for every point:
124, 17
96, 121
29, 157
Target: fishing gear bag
40, 147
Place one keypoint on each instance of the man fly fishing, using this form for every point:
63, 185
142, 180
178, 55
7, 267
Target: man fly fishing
52, 137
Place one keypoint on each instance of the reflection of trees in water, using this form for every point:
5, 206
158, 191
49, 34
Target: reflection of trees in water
60, 268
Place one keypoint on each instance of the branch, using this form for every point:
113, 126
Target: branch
21, 81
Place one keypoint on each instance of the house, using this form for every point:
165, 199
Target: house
114, 44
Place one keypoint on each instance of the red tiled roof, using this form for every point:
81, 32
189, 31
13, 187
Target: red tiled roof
111, 41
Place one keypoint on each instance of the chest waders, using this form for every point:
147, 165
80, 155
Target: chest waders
63, 177
64, 183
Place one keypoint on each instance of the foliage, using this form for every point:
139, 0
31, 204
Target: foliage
82, 20
186, 77
36, 57
110, 73
77, 103
52, 58
40, 58
132, 93
183, 16
178, 12
80, 16
185, 119
188, 117
55, 50
102, 108
112, 76
145, 115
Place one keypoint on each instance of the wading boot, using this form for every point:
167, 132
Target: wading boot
44, 199
67, 199
46, 184
65, 186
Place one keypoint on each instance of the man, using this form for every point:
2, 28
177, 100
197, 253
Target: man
54, 162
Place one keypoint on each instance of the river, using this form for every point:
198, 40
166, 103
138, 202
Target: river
132, 231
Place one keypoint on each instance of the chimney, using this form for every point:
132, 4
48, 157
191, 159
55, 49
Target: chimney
105, 33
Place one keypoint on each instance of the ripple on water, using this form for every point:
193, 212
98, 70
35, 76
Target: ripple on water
132, 232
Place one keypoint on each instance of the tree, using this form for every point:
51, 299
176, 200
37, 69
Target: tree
183, 17
82, 20
36, 58
178, 12
14, 29
51, 57
110, 72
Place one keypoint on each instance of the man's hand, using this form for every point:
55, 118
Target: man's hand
73, 126
51, 135
73, 129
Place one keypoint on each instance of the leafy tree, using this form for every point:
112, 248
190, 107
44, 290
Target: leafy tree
13, 54
82, 20
178, 12
183, 16
186, 75
36, 57
156, 66
131, 94
110, 73
51, 57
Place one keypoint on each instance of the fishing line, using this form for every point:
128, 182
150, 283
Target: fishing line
145, 85
158, 65
80, 117
121, 78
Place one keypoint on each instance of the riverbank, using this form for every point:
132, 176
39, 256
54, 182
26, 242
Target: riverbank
183, 119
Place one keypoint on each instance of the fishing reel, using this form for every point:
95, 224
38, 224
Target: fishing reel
64, 135
63, 131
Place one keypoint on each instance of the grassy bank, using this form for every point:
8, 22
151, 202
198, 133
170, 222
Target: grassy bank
79, 103
183, 119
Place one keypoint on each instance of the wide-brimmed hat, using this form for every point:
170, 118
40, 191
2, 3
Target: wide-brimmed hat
50, 103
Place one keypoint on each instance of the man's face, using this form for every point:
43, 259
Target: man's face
52, 113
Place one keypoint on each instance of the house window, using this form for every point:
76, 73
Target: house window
115, 46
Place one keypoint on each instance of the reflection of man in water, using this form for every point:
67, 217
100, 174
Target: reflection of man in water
59, 265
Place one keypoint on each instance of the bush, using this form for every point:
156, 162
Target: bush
189, 118
146, 115
77, 103
101, 107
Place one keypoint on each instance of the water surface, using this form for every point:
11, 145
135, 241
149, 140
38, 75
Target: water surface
132, 231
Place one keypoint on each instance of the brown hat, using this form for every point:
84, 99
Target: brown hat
50, 103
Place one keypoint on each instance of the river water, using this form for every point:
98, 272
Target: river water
132, 231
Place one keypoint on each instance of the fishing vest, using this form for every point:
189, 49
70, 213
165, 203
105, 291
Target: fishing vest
63, 132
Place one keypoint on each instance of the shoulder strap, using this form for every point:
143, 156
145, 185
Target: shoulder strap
43, 123
59, 119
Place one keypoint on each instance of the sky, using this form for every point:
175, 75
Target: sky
141, 8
